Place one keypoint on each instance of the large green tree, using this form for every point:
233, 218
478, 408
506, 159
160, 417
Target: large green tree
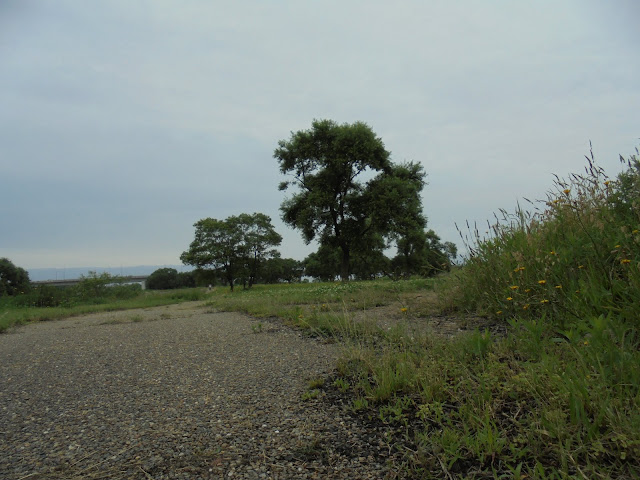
344, 181
13, 280
235, 246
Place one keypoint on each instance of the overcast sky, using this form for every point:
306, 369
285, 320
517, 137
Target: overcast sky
123, 123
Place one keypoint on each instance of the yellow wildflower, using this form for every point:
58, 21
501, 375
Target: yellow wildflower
499, 312
514, 287
617, 246
544, 301
542, 282
581, 266
527, 290
635, 231
553, 252
566, 191
558, 287
525, 307
625, 260
404, 309
509, 299
607, 182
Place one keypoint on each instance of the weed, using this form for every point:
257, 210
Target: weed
256, 327
341, 384
317, 382
310, 394
359, 404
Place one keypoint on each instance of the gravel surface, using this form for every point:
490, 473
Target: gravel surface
175, 392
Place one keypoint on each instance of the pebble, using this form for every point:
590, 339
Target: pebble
186, 395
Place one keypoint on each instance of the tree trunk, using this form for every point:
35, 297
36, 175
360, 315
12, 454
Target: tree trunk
344, 269
230, 278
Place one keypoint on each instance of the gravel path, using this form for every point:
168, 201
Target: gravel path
174, 392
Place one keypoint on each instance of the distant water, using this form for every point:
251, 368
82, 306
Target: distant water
38, 274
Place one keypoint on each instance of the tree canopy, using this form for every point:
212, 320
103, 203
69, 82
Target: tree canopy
170, 278
349, 195
235, 246
13, 280
422, 253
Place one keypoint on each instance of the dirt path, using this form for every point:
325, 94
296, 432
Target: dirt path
174, 392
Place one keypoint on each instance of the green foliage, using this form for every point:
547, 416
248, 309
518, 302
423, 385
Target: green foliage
44, 296
92, 289
278, 269
327, 164
323, 265
169, 278
578, 256
100, 288
13, 280
236, 246
423, 253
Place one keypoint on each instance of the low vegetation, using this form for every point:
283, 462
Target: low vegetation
95, 293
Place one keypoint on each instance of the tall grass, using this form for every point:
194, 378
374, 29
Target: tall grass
577, 256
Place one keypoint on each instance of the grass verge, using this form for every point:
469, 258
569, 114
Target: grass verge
12, 315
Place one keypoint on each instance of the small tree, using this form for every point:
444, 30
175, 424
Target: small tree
235, 246
13, 280
259, 237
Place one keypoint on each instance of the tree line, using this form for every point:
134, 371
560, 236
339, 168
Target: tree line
349, 197
346, 194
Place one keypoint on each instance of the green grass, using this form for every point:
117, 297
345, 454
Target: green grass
320, 308
480, 406
12, 314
